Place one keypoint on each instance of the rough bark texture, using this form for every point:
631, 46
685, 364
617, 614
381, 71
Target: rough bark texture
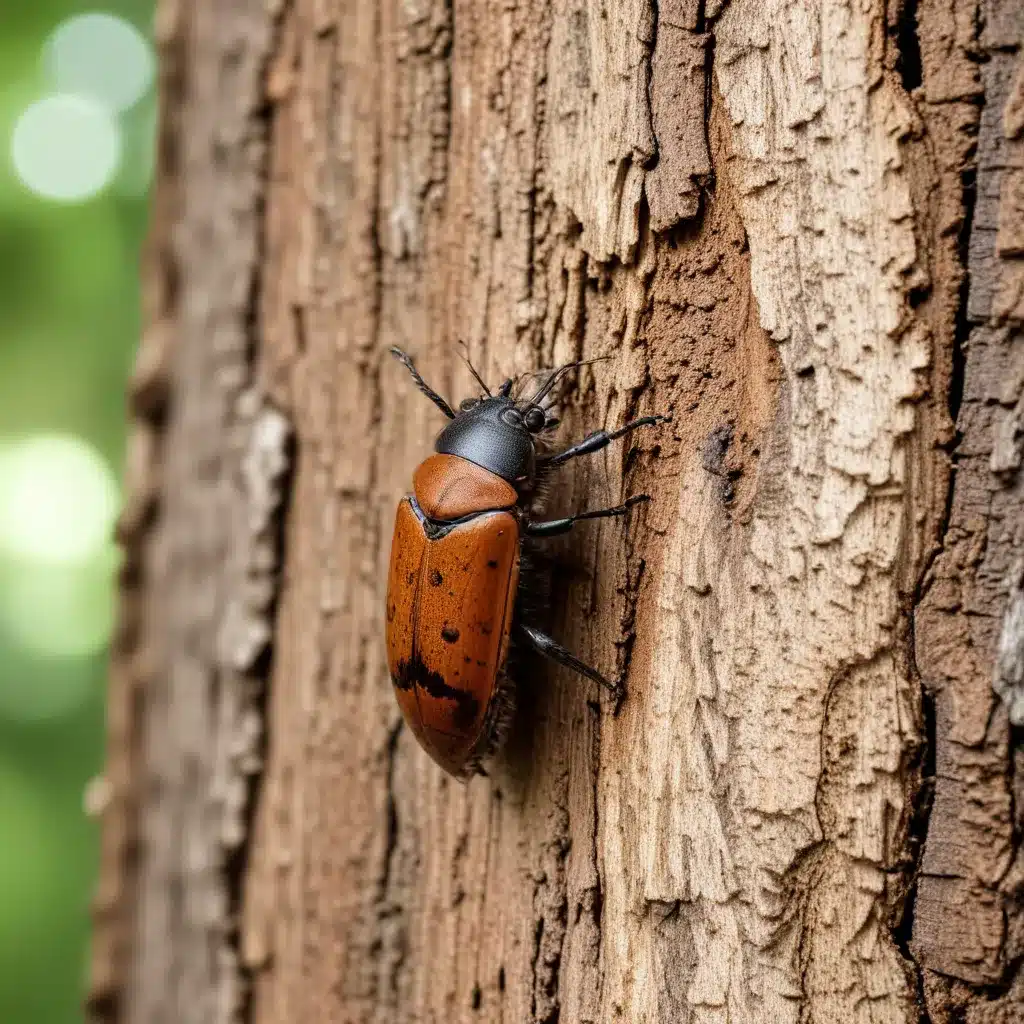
968, 932
797, 226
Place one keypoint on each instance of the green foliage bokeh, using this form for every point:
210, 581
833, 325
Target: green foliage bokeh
69, 320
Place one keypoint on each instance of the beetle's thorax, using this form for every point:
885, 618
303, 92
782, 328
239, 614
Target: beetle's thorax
448, 488
491, 435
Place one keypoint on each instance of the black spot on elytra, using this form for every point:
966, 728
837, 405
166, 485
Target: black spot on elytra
402, 679
436, 579
410, 578
449, 635
492, 563
391, 612
416, 673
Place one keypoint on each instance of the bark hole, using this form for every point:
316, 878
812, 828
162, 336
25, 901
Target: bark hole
909, 62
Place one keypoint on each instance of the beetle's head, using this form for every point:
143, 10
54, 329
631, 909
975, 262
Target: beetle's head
496, 433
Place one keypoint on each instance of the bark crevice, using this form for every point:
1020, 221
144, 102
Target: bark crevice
962, 900
908, 44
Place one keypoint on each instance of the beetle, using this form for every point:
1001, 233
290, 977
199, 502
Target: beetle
454, 575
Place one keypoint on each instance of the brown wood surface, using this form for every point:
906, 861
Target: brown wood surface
796, 225
969, 908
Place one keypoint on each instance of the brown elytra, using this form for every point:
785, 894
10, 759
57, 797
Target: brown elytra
449, 614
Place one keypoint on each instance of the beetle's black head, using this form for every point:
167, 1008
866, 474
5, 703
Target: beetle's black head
495, 433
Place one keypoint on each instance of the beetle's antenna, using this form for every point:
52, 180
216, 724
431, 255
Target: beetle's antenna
422, 384
519, 382
526, 375
557, 374
464, 354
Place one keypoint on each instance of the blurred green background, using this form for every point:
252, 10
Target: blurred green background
77, 116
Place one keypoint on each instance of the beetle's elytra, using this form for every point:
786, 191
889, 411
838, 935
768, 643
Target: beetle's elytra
454, 575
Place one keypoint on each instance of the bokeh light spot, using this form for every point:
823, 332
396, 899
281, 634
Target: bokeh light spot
66, 147
57, 612
58, 500
101, 56
138, 146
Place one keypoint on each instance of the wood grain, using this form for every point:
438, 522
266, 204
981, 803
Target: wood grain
967, 933
762, 213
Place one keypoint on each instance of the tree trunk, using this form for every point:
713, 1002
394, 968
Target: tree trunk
799, 227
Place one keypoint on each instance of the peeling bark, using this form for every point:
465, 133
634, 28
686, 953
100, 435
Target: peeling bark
792, 224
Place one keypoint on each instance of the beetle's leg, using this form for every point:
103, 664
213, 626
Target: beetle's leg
551, 648
422, 384
599, 439
553, 527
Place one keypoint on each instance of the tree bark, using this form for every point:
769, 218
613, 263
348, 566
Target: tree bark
796, 225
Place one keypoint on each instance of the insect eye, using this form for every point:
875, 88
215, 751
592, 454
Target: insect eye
534, 419
468, 403
512, 417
